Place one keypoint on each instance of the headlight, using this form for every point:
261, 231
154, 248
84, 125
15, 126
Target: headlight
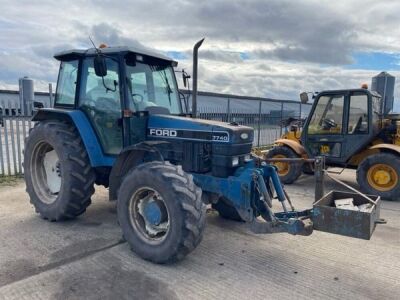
244, 136
235, 161
247, 158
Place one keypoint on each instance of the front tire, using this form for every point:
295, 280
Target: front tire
160, 212
57, 171
379, 174
288, 172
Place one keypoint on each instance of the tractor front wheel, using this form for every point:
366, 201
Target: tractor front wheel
58, 175
160, 212
379, 174
288, 172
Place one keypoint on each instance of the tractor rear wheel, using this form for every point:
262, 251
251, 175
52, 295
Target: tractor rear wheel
288, 172
226, 211
379, 174
58, 175
160, 212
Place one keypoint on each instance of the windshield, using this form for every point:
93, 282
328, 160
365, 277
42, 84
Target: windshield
152, 86
328, 115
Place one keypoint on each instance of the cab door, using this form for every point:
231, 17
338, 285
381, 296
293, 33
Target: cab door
324, 132
359, 129
100, 100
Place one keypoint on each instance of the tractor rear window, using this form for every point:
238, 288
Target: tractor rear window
66, 85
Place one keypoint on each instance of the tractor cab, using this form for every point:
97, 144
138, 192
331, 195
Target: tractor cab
337, 119
108, 82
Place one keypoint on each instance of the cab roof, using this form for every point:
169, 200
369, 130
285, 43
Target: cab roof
373, 93
76, 53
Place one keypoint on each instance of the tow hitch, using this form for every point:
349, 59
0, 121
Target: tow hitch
324, 216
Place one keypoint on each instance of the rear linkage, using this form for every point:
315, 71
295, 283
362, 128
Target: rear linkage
250, 191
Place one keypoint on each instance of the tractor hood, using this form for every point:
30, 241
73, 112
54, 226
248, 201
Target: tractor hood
175, 127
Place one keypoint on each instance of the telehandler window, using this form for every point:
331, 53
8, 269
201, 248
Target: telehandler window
328, 115
358, 114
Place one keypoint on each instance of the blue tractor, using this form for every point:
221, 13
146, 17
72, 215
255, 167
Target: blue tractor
119, 121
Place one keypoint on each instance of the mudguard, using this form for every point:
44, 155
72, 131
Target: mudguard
391, 147
85, 129
130, 157
296, 147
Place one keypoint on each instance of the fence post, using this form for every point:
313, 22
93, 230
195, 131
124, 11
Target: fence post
8, 162
300, 110
3, 170
281, 119
12, 136
51, 94
259, 124
228, 109
19, 146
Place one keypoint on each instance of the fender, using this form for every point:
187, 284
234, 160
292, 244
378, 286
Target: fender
295, 146
88, 135
391, 147
130, 157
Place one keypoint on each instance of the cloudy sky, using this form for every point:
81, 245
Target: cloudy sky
262, 48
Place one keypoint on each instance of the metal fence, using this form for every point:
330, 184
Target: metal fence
14, 127
264, 115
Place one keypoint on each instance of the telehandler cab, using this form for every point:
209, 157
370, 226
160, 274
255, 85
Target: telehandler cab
118, 121
353, 129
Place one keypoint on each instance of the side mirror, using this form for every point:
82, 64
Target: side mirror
304, 97
100, 66
185, 78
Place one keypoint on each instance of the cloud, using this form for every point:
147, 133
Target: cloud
259, 48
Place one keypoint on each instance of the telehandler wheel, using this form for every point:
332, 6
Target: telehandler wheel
226, 211
58, 175
160, 212
288, 172
379, 174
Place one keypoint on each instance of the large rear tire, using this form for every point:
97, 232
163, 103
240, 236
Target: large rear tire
58, 175
379, 174
160, 212
288, 172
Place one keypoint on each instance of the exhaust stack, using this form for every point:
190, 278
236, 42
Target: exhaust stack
195, 64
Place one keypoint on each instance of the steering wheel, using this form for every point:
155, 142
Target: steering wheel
330, 123
141, 98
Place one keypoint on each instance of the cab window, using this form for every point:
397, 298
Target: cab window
66, 85
328, 115
99, 98
358, 114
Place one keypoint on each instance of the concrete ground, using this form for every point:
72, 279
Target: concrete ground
85, 258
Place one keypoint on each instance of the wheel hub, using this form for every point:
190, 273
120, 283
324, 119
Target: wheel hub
46, 172
283, 167
53, 173
149, 215
382, 177
154, 212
